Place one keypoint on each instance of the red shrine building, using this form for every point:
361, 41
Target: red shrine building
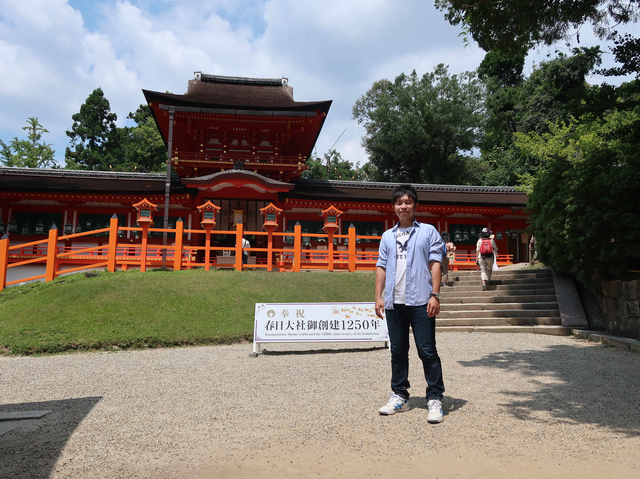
242, 144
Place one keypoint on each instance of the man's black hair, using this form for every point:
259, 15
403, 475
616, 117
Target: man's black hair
402, 190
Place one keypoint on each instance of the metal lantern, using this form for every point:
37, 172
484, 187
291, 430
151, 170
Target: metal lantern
25, 229
68, 228
465, 235
457, 235
473, 231
499, 235
39, 229
78, 228
13, 226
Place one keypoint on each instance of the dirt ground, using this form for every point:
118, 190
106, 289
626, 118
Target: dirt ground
516, 406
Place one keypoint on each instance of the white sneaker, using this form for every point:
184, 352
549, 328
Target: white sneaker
396, 404
435, 411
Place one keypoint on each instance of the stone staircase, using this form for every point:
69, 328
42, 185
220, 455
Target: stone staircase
515, 301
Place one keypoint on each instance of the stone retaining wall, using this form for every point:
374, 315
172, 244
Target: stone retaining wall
619, 301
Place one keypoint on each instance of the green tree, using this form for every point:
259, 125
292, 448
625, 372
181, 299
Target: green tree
508, 26
333, 167
417, 128
32, 152
626, 52
94, 137
141, 147
555, 91
582, 203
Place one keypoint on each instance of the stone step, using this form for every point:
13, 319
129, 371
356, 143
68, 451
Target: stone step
502, 289
515, 274
506, 321
452, 298
498, 306
555, 330
500, 313
497, 281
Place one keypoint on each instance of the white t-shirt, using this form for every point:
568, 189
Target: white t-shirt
402, 238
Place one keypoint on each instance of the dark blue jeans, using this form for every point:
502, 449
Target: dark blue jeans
424, 332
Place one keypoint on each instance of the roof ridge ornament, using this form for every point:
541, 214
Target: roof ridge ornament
205, 77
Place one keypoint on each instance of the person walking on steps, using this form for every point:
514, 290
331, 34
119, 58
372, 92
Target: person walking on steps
408, 272
485, 250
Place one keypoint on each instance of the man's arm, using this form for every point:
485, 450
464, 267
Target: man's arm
433, 306
381, 275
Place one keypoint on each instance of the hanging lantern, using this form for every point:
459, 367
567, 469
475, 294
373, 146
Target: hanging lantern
465, 235
68, 228
499, 235
473, 231
457, 236
13, 226
25, 229
2, 227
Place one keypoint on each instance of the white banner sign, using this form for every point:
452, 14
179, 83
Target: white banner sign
316, 322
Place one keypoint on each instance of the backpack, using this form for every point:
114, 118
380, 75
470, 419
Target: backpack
486, 248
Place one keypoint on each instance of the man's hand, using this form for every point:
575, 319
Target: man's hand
433, 307
380, 308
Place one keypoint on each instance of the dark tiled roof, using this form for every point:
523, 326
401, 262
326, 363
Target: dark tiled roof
79, 181
240, 93
427, 194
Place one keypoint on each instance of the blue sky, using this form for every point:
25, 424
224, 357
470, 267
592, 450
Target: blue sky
54, 53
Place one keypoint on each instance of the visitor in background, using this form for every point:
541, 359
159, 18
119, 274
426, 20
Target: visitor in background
245, 253
447, 257
485, 250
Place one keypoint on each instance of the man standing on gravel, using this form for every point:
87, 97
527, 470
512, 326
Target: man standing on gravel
408, 252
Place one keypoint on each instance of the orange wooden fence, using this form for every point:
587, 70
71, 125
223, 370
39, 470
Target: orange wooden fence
114, 255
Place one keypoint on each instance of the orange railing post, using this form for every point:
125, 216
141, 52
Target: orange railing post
143, 252
207, 247
330, 248
297, 247
4, 260
270, 247
113, 244
52, 254
239, 231
352, 248
177, 252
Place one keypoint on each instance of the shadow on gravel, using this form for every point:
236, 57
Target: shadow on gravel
596, 385
449, 404
321, 351
32, 449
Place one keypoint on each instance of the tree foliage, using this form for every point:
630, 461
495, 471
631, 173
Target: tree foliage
98, 144
583, 207
93, 134
508, 26
418, 128
30, 153
333, 167
555, 91
626, 52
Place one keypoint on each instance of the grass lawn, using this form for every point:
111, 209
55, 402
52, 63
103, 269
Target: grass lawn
157, 308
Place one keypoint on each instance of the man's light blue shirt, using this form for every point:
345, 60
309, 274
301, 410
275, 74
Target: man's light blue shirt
424, 245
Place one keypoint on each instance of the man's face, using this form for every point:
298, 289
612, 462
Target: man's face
405, 208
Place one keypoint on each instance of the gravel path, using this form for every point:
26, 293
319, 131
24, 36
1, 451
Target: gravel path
516, 405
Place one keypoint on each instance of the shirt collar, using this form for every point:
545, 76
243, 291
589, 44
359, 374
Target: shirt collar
415, 223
